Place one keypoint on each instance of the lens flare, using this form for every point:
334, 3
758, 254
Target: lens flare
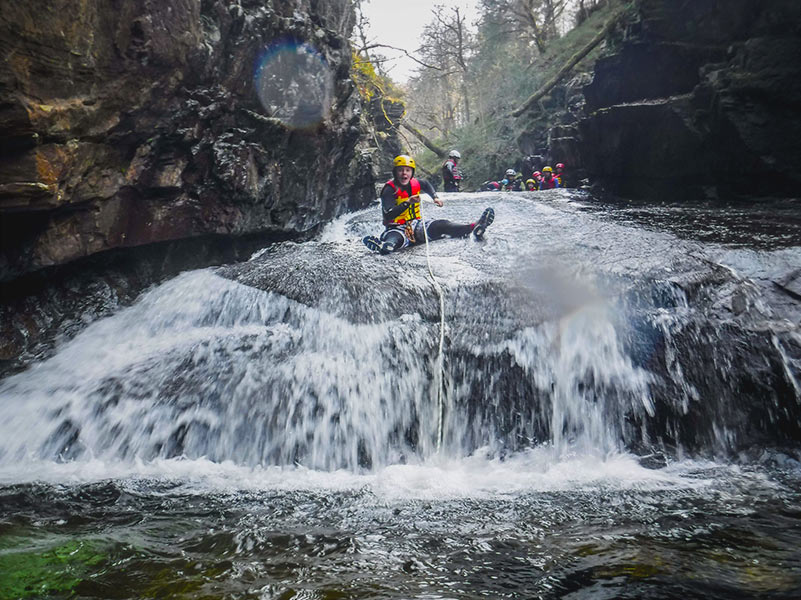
294, 84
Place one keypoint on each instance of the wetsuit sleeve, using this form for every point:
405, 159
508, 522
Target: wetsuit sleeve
427, 188
388, 206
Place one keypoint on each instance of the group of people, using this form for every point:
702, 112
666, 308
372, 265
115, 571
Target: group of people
547, 179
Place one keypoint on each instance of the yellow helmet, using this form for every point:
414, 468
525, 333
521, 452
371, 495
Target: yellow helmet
544, 169
404, 160
530, 181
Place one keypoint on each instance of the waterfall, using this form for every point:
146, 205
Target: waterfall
320, 355
203, 366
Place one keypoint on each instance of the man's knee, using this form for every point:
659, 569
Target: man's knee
393, 237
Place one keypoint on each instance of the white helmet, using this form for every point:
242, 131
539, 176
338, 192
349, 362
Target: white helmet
454, 154
510, 172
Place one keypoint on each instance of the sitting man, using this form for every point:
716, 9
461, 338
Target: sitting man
400, 205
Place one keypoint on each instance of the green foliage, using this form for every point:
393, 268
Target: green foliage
504, 69
486, 154
578, 37
371, 84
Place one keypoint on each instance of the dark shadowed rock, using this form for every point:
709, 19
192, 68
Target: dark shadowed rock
648, 70
701, 101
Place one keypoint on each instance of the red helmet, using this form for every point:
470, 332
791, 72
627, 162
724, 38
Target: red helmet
560, 165
536, 174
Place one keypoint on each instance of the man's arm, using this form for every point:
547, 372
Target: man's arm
427, 188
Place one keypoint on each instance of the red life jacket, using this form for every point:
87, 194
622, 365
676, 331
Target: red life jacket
549, 184
413, 212
452, 172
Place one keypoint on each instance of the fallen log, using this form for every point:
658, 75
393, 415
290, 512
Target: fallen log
568, 66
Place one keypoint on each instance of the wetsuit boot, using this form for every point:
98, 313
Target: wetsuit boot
486, 219
376, 245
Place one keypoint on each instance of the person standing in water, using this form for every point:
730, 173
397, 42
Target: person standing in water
512, 182
548, 181
451, 174
560, 171
400, 206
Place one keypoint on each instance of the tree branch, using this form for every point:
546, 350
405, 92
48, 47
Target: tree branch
426, 142
371, 46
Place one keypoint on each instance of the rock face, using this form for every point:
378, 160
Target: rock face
125, 124
701, 101
552, 135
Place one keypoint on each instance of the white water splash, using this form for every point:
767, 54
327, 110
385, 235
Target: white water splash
204, 366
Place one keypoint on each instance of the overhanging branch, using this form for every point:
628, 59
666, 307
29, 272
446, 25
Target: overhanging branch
406, 52
426, 142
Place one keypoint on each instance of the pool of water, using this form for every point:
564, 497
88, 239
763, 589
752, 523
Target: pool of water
525, 527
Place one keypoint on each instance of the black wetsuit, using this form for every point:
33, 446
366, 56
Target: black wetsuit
451, 176
436, 229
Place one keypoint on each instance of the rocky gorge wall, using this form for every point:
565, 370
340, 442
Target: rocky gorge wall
132, 123
701, 101
139, 138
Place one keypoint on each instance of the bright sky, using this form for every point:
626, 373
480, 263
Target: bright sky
400, 24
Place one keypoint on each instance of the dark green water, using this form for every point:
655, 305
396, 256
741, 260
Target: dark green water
689, 530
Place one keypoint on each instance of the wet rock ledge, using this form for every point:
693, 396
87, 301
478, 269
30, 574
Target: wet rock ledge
701, 101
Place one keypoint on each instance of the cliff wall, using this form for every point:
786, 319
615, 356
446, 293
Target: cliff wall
139, 138
130, 123
701, 100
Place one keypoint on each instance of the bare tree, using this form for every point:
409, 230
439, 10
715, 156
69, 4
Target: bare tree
365, 47
457, 49
534, 20
585, 8
448, 46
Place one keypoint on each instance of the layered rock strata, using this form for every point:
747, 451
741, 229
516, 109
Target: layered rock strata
701, 101
141, 138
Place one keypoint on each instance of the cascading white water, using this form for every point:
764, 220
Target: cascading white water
203, 366
582, 384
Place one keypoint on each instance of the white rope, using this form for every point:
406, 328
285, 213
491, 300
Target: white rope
440, 360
